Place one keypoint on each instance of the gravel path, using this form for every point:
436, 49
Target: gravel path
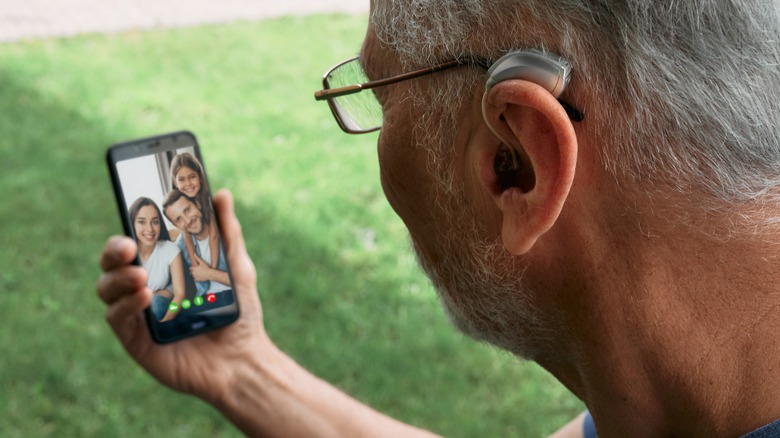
31, 19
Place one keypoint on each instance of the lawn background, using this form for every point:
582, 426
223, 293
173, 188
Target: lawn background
340, 289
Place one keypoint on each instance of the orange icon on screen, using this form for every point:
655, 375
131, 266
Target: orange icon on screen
211, 298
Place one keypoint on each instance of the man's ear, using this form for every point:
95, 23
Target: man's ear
539, 137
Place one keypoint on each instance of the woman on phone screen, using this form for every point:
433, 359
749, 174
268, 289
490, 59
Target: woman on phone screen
161, 258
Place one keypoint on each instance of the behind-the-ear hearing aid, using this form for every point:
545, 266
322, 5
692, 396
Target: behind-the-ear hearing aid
542, 68
545, 69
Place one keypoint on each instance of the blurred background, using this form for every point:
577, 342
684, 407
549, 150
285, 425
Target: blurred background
339, 285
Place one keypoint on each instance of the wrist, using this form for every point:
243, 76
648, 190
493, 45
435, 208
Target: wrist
270, 395
249, 376
258, 398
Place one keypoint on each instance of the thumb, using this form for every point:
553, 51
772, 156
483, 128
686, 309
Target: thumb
235, 249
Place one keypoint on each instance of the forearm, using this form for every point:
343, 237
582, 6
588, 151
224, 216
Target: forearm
274, 396
219, 276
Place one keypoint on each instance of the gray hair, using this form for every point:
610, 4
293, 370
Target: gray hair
682, 95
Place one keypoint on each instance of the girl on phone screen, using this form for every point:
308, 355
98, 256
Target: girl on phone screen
187, 177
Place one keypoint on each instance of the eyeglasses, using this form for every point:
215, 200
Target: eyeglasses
360, 113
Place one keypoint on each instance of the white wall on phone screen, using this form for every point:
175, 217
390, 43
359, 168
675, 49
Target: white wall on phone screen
139, 178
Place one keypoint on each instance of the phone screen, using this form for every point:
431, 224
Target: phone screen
165, 204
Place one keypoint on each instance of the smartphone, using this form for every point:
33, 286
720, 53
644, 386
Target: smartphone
165, 204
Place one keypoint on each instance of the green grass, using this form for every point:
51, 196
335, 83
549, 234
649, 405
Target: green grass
339, 285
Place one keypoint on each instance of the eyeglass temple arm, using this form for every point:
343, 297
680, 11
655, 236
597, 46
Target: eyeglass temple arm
574, 114
336, 92
330, 93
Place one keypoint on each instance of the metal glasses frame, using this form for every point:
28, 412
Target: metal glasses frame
329, 94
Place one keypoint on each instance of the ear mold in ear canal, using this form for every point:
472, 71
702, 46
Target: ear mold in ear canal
506, 160
507, 167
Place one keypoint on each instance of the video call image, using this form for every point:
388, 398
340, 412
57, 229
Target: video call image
172, 221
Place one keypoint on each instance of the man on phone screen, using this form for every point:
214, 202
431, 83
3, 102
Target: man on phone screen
187, 217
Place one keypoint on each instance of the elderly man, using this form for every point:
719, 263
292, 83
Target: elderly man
619, 228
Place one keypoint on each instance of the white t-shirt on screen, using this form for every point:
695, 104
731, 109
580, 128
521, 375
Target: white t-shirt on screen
204, 248
158, 264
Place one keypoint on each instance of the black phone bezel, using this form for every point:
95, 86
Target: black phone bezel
183, 326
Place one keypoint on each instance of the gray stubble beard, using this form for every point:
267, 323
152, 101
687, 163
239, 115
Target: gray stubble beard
478, 282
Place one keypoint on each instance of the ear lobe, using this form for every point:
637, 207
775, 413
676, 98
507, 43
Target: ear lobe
527, 118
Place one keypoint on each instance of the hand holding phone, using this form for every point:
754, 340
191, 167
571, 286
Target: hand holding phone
237, 368
195, 365
165, 204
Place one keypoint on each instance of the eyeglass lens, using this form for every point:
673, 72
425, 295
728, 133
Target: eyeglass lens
359, 112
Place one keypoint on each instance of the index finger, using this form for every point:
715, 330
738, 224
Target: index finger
119, 251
